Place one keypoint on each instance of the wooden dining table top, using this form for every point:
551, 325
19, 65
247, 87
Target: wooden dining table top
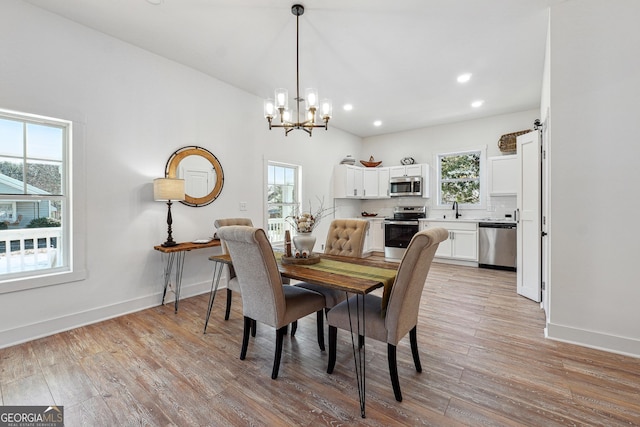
343, 282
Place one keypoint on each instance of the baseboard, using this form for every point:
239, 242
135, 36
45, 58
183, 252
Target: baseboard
456, 262
591, 339
48, 327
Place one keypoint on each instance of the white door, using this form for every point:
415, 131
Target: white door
528, 217
196, 182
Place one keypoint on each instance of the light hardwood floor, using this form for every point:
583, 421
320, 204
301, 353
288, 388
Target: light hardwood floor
485, 362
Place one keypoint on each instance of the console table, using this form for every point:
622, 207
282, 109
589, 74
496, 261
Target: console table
176, 256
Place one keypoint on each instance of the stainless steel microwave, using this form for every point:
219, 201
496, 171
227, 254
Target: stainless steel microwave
405, 186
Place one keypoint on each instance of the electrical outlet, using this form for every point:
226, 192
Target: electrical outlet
243, 206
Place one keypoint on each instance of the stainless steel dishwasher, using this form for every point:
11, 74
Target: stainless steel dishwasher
497, 245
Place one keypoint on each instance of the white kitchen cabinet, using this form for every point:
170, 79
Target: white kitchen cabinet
370, 183
408, 170
376, 233
375, 183
383, 183
374, 239
462, 243
360, 183
503, 175
348, 182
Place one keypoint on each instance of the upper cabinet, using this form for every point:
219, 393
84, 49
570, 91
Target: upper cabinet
408, 170
503, 175
354, 182
348, 182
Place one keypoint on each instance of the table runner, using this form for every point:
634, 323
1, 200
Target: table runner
384, 275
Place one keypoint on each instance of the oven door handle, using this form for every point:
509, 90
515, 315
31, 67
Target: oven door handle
401, 222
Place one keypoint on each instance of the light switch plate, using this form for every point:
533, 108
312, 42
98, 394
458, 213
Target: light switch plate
243, 206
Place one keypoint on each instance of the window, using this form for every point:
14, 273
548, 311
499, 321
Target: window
35, 206
282, 198
459, 178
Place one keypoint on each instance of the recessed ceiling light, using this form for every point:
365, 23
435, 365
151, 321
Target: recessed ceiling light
155, 2
478, 103
377, 123
463, 78
348, 107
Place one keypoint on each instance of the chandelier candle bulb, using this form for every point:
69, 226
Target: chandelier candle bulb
269, 108
282, 98
311, 98
326, 109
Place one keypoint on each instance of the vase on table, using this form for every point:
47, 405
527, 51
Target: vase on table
304, 242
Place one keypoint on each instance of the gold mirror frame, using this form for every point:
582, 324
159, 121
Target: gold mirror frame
171, 171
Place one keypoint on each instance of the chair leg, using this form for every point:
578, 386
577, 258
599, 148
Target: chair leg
320, 324
280, 333
393, 371
294, 327
413, 337
245, 337
333, 338
228, 310
360, 341
254, 325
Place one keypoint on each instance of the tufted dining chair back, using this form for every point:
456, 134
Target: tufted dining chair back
346, 237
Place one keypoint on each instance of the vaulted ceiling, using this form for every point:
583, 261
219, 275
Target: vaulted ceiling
394, 61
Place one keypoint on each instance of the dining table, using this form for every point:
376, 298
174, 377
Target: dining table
355, 276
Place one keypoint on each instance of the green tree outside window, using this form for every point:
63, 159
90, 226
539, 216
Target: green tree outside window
460, 178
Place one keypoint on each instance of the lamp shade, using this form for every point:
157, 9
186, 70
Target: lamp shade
168, 189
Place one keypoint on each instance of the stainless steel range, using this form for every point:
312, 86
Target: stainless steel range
399, 230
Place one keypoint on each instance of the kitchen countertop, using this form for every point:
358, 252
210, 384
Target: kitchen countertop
471, 220
502, 220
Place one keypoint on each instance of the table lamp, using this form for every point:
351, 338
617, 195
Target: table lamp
168, 189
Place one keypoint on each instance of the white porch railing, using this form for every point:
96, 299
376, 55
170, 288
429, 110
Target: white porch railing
275, 229
14, 257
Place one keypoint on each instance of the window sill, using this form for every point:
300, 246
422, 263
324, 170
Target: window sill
46, 279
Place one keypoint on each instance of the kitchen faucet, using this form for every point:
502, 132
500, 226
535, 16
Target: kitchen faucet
455, 207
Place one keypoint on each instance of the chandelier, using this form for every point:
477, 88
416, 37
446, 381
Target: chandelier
312, 107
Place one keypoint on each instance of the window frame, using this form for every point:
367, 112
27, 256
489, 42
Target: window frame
297, 193
482, 151
73, 269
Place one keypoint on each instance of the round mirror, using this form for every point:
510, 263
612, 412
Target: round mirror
201, 171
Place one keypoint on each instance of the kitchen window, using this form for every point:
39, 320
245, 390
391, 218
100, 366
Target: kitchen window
460, 178
283, 186
35, 204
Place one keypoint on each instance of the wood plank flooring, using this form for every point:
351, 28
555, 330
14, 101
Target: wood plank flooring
485, 362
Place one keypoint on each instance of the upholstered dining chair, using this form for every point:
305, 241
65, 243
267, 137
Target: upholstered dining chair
264, 298
232, 281
344, 238
390, 317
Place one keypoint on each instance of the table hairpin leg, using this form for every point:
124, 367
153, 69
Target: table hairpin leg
167, 274
359, 359
178, 259
179, 269
215, 280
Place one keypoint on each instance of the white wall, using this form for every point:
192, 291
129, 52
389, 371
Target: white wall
132, 109
424, 144
594, 151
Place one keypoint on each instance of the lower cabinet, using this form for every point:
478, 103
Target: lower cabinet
374, 240
462, 243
